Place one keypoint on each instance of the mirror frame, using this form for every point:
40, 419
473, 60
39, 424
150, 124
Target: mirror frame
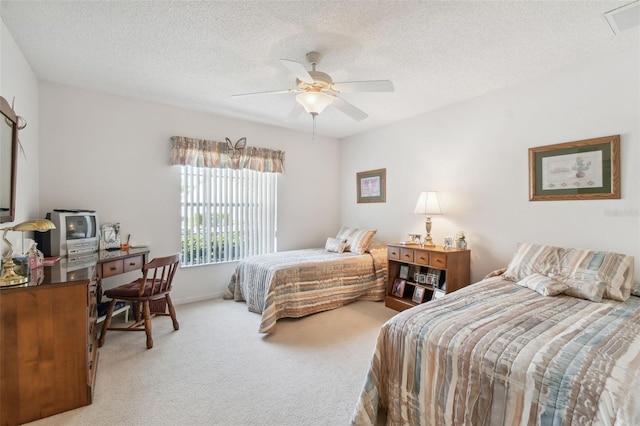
10, 114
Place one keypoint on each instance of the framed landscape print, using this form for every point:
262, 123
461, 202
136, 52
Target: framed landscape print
372, 186
581, 170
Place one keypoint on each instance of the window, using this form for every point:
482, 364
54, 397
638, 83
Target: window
226, 214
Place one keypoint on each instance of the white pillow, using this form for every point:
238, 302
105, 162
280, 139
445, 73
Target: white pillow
542, 284
335, 245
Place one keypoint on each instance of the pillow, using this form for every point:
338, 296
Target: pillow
542, 284
532, 258
343, 233
358, 240
615, 270
335, 245
589, 290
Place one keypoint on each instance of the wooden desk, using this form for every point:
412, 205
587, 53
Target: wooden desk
111, 263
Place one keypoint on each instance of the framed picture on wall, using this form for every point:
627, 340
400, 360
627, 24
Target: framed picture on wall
582, 170
371, 186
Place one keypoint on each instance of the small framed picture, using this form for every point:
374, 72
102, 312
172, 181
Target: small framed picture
437, 294
404, 272
398, 287
418, 294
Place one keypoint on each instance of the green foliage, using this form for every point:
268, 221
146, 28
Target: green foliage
195, 251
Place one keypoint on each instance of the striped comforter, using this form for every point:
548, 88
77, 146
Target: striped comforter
495, 353
292, 284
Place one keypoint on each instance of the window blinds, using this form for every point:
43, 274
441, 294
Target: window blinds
226, 214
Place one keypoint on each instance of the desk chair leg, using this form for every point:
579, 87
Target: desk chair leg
172, 313
106, 323
147, 323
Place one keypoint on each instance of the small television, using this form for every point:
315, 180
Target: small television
77, 232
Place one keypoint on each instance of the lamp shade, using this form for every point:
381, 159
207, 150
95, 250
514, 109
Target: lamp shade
34, 225
314, 102
428, 203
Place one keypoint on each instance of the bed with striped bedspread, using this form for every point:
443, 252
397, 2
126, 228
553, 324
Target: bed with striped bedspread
295, 283
496, 353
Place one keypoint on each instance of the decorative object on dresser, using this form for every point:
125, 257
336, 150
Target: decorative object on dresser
110, 236
371, 186
461, 240
9, 276
155, 284
428, 204
434, 269
582, 170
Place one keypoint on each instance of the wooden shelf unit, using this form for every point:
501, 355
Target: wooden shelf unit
452, 265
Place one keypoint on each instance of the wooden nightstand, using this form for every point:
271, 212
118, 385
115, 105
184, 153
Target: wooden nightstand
433, 271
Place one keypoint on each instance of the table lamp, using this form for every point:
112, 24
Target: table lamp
9, 276
428, 204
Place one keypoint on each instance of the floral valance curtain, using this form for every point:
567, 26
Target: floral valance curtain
220, 155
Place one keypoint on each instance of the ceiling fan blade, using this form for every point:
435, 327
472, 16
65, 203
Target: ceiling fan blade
298, 70
364, 86
349, 109
295, 112
273, 92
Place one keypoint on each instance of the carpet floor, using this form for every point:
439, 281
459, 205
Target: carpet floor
218, 370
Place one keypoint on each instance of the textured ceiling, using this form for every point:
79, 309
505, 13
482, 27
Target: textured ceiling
197, 54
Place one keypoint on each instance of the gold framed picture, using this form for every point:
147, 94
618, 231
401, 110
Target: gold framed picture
581, 170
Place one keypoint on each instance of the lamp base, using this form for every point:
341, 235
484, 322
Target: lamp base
428, 242
9, 276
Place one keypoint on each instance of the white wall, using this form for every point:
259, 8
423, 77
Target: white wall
111, 154
476, 155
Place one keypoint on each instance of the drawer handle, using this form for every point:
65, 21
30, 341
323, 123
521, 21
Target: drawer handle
407, 255
132, 264
422, 258
394, 253
113, 268
438, 261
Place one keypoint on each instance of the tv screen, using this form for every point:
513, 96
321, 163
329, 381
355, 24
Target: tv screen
81, 227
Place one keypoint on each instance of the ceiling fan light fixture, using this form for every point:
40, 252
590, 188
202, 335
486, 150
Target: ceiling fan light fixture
314, 102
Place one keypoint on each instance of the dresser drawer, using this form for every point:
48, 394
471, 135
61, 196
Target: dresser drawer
439, 260
112, 268
406, 255
421, 257
133, 263
393, 253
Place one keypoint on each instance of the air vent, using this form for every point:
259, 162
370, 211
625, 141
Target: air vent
624, 17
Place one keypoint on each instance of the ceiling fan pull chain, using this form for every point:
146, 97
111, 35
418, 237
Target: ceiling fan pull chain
313, 136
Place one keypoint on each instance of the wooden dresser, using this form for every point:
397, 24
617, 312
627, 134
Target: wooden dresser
48, 348
419, 273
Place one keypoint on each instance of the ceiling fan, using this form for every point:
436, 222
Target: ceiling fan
315, 90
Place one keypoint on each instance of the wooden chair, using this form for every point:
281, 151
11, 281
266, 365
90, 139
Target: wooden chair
155, 284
